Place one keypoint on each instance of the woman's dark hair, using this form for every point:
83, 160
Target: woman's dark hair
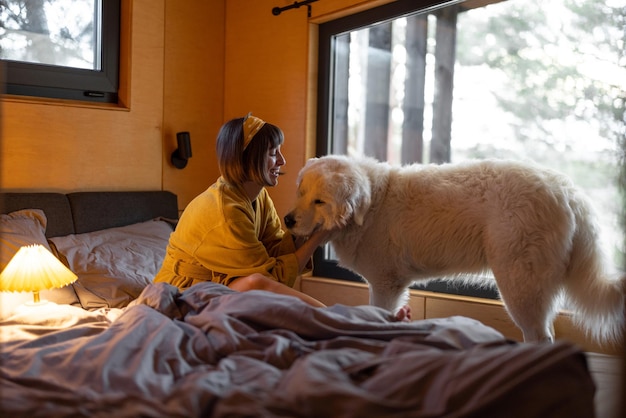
238, 165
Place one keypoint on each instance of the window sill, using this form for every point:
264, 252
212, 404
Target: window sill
9, 98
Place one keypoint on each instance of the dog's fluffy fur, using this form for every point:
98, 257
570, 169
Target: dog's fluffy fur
530, 226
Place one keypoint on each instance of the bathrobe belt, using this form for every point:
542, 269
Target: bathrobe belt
174, 262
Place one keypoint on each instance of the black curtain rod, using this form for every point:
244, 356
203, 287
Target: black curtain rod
296, 4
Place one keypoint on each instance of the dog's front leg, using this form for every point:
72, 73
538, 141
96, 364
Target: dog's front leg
388, 295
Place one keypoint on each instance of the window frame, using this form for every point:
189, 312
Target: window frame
57, 82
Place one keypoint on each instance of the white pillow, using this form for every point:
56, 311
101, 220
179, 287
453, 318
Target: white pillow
114, 265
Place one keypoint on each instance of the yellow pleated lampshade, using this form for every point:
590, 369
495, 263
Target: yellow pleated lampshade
32, 269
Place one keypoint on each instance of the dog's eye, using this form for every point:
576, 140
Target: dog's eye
319, 202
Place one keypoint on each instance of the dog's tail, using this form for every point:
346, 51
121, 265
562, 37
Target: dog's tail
597, 296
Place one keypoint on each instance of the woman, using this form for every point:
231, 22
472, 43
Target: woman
231, 233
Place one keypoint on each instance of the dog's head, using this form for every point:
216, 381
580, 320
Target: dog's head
331, 192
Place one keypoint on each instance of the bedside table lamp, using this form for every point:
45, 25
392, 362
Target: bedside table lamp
32, 269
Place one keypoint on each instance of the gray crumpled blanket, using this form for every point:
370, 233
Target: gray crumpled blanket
214, 352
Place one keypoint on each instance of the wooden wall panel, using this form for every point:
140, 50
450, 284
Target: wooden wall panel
55, 145
266, 73
330, 292
488, 312
194, 92
326, 10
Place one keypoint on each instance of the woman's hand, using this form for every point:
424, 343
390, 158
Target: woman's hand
298, 241
305, 246
320, 237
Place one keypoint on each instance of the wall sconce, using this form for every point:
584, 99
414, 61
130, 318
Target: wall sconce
183, 152
32, 269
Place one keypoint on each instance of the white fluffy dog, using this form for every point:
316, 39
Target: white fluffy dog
530, 226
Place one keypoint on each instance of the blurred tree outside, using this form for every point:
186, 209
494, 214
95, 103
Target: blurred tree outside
54, 32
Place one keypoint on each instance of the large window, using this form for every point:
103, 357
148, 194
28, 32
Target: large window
541, 80
66, 49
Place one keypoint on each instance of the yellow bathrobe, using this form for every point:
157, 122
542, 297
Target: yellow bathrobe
222, 235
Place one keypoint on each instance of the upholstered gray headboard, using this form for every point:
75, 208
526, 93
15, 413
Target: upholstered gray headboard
80, 212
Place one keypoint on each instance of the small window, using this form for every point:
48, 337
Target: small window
541, 80
66, 49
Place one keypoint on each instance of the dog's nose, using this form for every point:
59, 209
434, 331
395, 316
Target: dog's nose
290, 221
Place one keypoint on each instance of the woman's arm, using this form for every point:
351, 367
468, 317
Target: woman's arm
306, 247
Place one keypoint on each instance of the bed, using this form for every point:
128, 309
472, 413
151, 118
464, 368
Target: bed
115, 344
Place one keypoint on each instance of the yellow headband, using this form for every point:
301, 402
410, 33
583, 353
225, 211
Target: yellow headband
251, 125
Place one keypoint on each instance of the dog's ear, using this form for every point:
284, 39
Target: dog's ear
357, 198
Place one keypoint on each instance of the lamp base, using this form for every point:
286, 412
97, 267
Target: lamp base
40, 302
32, 309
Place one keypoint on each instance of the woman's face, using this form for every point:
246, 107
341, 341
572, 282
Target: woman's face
275, 160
